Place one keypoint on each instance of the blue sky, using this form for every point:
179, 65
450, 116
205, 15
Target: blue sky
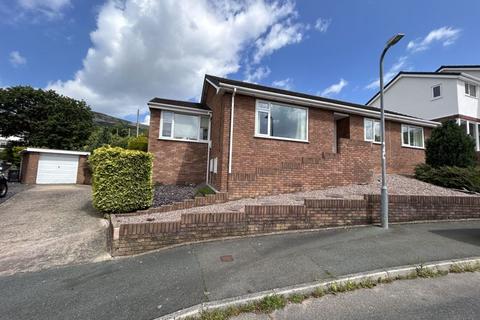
117, 55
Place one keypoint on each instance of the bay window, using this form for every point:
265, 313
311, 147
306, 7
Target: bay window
372, 130
275, 120
472, 129
412, 136
180, 126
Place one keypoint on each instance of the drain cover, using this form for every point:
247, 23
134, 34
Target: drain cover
227, 258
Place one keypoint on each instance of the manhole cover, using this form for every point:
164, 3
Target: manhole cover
227, 258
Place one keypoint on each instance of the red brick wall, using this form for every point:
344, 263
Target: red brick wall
266, 166
29, 167
175, 162
133, 238
84, 174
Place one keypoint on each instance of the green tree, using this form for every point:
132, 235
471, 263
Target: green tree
138, 143
44, 118
449, 145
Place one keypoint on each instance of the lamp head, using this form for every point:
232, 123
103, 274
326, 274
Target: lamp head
393, 40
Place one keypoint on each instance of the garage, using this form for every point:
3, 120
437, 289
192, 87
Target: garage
49, 166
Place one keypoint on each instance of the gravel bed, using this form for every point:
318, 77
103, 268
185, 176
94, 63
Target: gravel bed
397, 185
166, 194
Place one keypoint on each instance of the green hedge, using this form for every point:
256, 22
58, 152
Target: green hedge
138, 143
122, 179
450, 177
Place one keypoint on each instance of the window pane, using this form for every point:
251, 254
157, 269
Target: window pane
471, 128
262, 122
204, 128
436, 91
463, 125
417, 134
167, 123
368, 130
473, 91
288, 122
186, 127
466, 88
377, 131
405, 135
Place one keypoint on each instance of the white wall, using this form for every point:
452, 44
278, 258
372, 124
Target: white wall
413, 96
468, 106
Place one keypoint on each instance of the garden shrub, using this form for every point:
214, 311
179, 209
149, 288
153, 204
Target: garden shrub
138, 143
121, 180
449, 145
450, 177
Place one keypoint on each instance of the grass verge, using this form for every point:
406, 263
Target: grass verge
274, 302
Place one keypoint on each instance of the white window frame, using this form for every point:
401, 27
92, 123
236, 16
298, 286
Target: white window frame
477, 131
441, 91
373, 128
199, 133
408, 145
467, 85
268, 136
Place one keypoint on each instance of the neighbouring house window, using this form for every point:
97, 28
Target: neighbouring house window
470, 90
372, 130
276, 120
472, 129
181, 126
412, 136
436, 91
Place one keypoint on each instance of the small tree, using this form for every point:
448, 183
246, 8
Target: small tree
138, 143
449, 145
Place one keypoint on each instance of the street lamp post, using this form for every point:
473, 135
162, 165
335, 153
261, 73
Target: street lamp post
384, 191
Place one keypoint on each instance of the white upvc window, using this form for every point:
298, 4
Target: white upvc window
470, 90
437, 91
471, 128
280, 121
184, 127
372, 130
412, 136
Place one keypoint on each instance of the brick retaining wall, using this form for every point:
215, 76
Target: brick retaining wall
133, 238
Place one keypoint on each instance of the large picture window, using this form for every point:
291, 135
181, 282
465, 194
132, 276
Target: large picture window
412, 136
180, 126
281, 121
372, 130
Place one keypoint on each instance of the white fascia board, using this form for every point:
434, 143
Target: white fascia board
172, 107
329, 105
40, 150
469, 78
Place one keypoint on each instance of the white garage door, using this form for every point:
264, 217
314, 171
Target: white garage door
57, 168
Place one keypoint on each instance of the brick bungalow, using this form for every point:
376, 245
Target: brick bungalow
250, 140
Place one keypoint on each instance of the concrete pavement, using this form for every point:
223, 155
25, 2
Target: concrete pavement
155, 284
50, 225
452, 297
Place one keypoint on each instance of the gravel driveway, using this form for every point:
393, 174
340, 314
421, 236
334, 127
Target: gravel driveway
397, 184
47, 226
13, 189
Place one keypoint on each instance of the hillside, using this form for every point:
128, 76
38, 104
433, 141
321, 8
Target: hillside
105, 120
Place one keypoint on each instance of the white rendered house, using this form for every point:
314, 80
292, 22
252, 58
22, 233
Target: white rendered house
451, 92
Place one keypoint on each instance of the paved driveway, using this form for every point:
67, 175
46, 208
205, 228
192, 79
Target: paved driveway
46, 225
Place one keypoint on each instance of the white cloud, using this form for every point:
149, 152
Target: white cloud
145, 48
446, 35
257, 74
16, 59
286, 84
146, 120
322, 24
335, 88
280, 35
48, 8
399, 65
